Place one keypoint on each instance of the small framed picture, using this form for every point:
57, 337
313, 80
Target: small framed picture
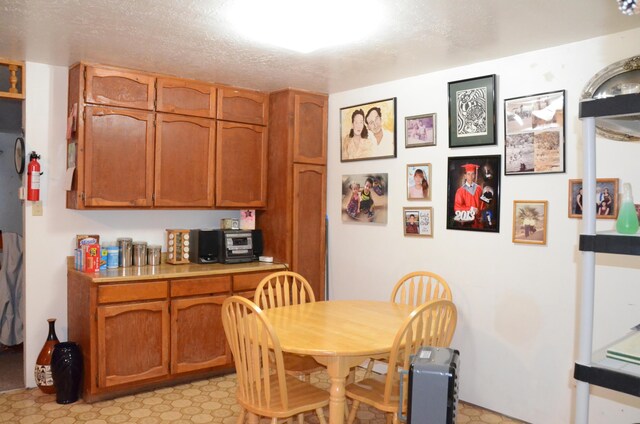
418, 221
368, 131
472, 112
534, 134
606, 198
530, 221
365, 198
419, 181
420, 130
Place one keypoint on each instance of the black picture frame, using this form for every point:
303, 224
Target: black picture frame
369, 147
486, 197
472, 112
534, 134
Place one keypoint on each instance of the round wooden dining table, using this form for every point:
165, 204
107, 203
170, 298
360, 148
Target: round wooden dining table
339, 334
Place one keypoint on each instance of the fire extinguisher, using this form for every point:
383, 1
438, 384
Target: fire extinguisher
33, 177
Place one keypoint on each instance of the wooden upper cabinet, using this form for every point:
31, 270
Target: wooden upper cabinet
310, 129
186, 97
114, 87
241, 165
184, 162
118, 157
246, 106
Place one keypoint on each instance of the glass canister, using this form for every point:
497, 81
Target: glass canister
139, 253
124, 251
153, 254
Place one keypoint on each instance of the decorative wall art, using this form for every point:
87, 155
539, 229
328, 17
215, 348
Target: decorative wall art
472, 112
368, 131
529, 221
420, 130
418, 221
606, 198
534, 134
419, 181
365, 198
473, 193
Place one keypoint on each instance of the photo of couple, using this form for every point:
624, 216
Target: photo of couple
368, 131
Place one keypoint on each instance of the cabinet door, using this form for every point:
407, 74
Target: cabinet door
133, 342
310, 129
308, 233
241, 165
197, 335
186, 97
184, 166
118, 162
113, 87
249, 107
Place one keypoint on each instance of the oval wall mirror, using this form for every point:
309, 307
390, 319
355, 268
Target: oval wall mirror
622, 77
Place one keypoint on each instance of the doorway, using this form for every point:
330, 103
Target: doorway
12, 229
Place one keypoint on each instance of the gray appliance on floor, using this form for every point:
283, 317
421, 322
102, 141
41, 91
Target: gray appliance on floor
433, 386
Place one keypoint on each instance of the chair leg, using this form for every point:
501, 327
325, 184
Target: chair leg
274, 420
354, 411
389, 418
243, 413
307, 378
369, 370
300, 418
320, 414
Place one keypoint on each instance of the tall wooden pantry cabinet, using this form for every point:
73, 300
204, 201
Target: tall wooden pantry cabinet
294, 219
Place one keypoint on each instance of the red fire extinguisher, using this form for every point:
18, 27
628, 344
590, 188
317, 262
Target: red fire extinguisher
33, 177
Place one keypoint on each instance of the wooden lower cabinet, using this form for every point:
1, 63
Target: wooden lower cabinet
133, 342
142, 334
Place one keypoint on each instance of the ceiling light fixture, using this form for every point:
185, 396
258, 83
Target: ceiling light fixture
628, 7
305, 26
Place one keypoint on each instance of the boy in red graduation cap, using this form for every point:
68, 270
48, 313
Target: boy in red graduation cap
467, 204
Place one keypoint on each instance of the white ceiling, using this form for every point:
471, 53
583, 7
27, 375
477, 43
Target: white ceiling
190, 38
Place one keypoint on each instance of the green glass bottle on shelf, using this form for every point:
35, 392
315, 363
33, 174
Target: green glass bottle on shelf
627, 222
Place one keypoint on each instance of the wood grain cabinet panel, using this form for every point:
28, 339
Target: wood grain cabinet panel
241, 165
118, 157
246, 106
115, 87
184, 161
186, 97
310, 129
133, 342
198, 341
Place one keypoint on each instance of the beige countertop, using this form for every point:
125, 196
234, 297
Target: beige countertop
168, 271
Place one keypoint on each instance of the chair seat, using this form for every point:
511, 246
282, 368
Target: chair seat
371, 391
300, 364
302, 397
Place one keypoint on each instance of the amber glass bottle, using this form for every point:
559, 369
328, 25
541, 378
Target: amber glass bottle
42, 372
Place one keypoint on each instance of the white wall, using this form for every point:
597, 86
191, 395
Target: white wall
50, 238
517, 303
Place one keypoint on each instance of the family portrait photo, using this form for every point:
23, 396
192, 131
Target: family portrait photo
368, 131
530, 221
606, 204
420, 130
418, 221
473, 193
534, 134
419, 181
364, 198
472, 112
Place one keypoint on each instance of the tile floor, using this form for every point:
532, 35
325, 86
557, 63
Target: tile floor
204, 401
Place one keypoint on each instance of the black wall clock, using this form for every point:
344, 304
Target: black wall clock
18, 155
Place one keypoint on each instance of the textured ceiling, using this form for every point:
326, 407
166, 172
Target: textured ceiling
190, 38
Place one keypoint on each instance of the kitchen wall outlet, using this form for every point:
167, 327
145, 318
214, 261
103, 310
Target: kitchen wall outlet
36, 209
21, 195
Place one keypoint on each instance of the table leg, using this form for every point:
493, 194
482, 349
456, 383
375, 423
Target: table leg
338, 370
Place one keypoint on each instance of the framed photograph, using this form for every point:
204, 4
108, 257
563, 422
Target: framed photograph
368, 131
529, 221
420, 130
472, 112
473, 193
418, 221
606, 198
534, 134
419, 181
364, 198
